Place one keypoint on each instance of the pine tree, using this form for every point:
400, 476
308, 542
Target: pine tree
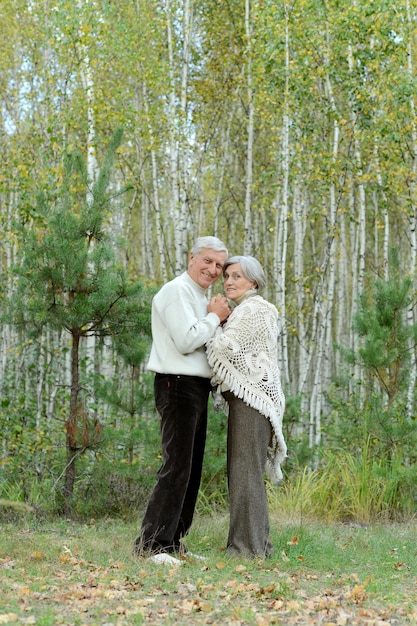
381, 322
69, 279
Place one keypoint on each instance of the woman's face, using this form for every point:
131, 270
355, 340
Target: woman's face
235, 282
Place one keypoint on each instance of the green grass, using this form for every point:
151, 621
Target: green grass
63, 572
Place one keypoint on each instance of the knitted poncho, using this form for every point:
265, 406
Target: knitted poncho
244, 359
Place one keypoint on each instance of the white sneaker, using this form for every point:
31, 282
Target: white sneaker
164, 559
198, 557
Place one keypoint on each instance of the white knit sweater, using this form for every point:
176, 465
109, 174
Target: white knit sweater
243, 356
181, 327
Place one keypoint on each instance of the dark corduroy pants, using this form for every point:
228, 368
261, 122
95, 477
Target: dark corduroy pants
249, 434
182, 404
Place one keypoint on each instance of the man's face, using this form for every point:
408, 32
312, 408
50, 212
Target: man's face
206, 267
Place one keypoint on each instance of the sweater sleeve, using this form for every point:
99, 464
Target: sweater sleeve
181, 317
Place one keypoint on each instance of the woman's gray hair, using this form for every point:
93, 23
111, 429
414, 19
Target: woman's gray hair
213, 243
251, 269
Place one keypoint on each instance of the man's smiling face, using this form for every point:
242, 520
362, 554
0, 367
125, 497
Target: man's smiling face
206, 266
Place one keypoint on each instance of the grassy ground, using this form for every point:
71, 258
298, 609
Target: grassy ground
68, 573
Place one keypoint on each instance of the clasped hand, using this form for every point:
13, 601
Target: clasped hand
220, 306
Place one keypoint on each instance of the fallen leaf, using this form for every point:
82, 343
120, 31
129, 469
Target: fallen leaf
36, 555
268, 589
359, 594
24, 591
8, 618
293, 542
276, 605
399, 566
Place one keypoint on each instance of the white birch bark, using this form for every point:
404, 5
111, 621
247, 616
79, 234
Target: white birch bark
359, 175
413, 216
324, 295
354, 267
281, 206
177, 119
226, 159
325, 303
155, 193
299, 225
184, 225
8, 337
8, 254
146, 235
173, 193
88, 86
342, 292
248, 246
385, 220
87, 82
360, 232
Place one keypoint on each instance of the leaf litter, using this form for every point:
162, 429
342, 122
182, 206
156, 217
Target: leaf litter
221, 593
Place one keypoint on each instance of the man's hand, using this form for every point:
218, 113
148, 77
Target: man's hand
220, 306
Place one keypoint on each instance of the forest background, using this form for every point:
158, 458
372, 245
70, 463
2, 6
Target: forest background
289, 130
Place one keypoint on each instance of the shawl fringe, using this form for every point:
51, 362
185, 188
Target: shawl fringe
277, 452
254, 383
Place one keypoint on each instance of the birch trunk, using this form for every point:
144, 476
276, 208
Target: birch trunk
8, 334
413, 216
221, 176
322, 361
248, 245
281, 240
173, 193
359, 197
87, 82
324, 295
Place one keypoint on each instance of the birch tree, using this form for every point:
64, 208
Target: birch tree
247, 246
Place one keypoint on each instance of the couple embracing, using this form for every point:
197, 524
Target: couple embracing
201, 346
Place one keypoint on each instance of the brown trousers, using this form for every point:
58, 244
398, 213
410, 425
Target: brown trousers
249, 434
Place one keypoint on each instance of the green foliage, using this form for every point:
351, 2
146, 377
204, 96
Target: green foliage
353, 486
296, 432
116, 476
369, 440
348, 92
69, 279
387, 337
387, 430
69, 276
213, 494
112, 478
111, 487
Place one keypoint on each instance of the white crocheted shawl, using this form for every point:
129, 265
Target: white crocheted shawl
243, 356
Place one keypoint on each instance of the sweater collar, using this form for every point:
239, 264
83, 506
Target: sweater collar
192, 282
246, 295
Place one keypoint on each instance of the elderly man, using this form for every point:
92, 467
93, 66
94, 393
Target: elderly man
182, 321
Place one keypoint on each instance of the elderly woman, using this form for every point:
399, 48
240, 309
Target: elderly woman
243, 355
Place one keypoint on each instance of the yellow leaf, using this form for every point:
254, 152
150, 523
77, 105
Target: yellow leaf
7, 618
24, 591
284, 556
36, 555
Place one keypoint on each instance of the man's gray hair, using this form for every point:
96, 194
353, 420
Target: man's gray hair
213, 243
251, 269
